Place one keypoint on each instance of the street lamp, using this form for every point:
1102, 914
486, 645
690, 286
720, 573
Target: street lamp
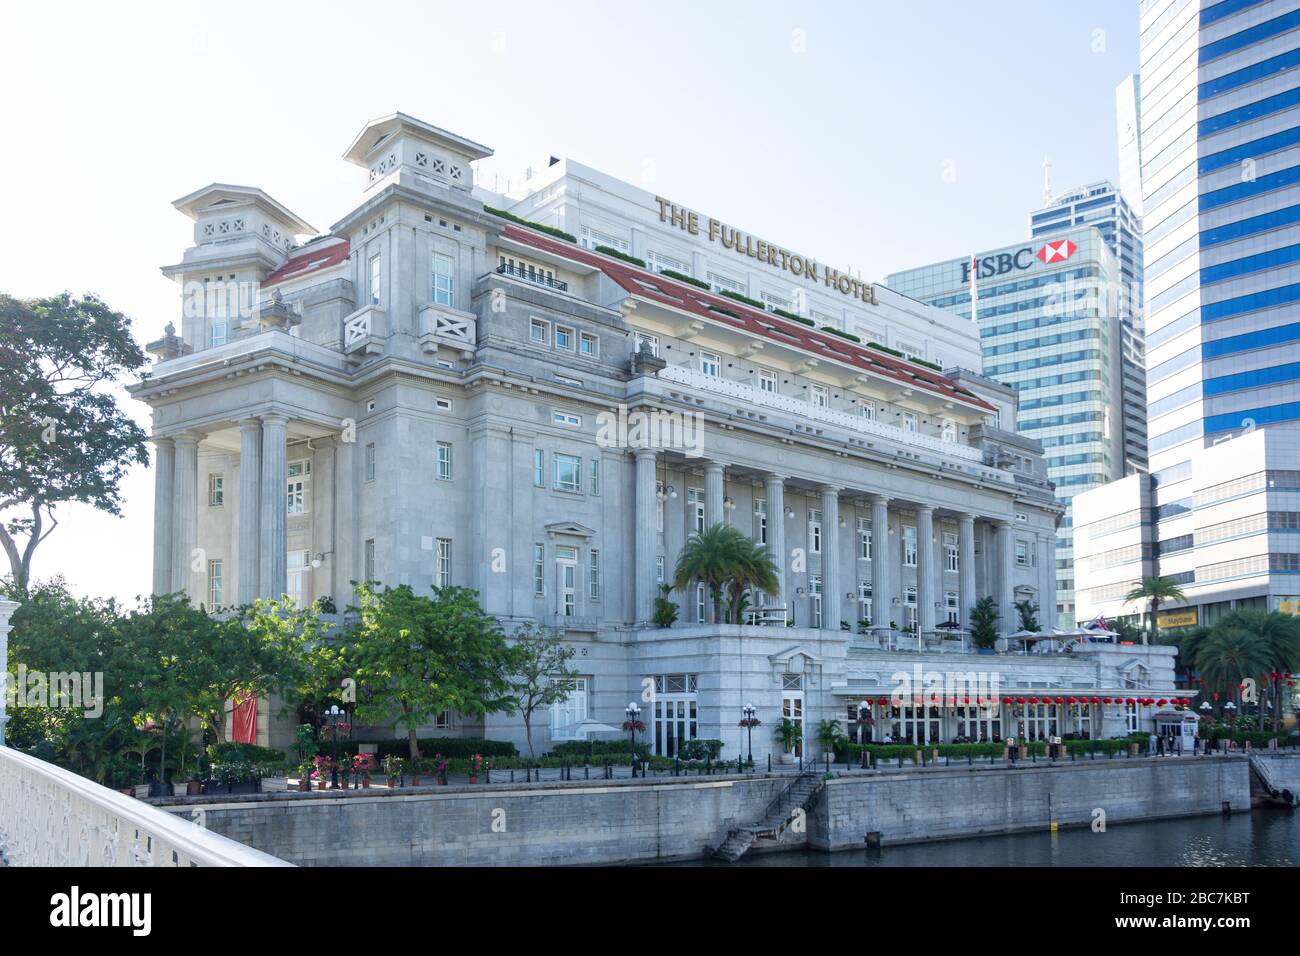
333, 714
633, 714
751, 715
1206, 707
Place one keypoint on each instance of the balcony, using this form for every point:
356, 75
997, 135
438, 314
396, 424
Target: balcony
443, 326
364, 333
529, 275
751, 396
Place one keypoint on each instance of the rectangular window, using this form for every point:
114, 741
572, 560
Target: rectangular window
568, 472
216, 491
951, 608
376, 274
593, 576
950, 560
443, 575
369, 560
869, 411
443, 720
566, 564
864, 538
593, 476
659, 568
1022, 554
444, 280
297, 487
298, 568
864, 601
760, 520
539, 468
695, 503
639, 338
909, 609
566, 714
564, 338
539, 332
814, 532
370, 462
909, 546
711, 364
910, 422
588, 345
567, 420
821, 396
701, 606
539, 570
766, 381
444, 461
815, 599
216, 585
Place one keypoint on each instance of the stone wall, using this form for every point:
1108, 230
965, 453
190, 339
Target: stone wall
1282, 769
944, 803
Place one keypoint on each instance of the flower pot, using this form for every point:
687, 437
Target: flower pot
343, 782
194, 788
392, 783
787, 758
365, 783
320, 784
304, 785
473, 779
415, 781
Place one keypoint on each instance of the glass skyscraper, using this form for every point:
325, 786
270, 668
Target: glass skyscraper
1220, 137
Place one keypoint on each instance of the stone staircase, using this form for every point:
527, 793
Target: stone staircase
1263, 787
800, 794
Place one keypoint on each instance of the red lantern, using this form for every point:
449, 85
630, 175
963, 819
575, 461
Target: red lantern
1105, 700
965, 700
1006, 700
1060, 700
1131, 700
1020, 700
1096, 700
1162, 701
1216, 695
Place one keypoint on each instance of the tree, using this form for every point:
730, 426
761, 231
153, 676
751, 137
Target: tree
1229, 655
984, 622
1279, 637
726, 563
755, 570
1155, 591
541, 675
416, 657
1028, 612
63, 436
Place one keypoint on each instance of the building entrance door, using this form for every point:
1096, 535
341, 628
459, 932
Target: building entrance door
792, 709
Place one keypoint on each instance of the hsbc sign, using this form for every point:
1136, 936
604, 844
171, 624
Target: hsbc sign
989, 266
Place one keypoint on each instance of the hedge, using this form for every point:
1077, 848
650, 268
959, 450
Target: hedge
585, 748
428, 746
937, 368
795, 318
244, 753
884, 348
549, 230
683, 277
611, 251
743, 298
890, 752
844, 335
718, 308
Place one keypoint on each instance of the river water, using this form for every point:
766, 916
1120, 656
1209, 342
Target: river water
1263, 837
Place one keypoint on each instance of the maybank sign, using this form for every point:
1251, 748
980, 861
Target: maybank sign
987, 267
744, 244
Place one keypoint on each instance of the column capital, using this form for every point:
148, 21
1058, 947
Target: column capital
641, 454
274, 418
879, 499
1002, 524
925, 510
162, 440
186, 438
249, 423
772, 476
964, 517
715, 466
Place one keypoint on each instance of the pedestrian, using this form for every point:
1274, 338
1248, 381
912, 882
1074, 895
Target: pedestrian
1151, 744
1160, 745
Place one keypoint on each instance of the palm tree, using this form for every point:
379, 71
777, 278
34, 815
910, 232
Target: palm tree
1155, 591
1228, 655
1280, 635
755, 570
728, 564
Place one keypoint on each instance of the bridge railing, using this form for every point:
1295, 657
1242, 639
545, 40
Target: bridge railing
53, 817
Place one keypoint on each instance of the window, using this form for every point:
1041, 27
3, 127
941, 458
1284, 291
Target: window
569, 712
216, 585
950, 560
593, 477
375, 281
909, 546
442, 576
721, 282
593, 575
1022, 554
643, 337
218, 322
820, 396
711, 364
951, 608
369, 560
539, 570
299, 478
701, 612
588, 345
568, 472
442, 721
864, 601
566, 566
564, 338
659, 568
567, 420
910, 422
869, 411
909, 609
766, 380
444, 461
298, 566
370, 462
676, 716
216, 491
695, 503
760, 520
815, 599
864, 538
539, 332
444, 280
539, 468
814, 532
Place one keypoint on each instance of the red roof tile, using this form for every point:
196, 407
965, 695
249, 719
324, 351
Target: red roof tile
755, 321
311, 259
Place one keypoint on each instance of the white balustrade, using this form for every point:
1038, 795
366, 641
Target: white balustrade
798, 407
50, 816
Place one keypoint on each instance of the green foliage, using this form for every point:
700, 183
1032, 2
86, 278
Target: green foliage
63, 436
788, 733
753, 303
683, 277
829, 734
884, 348
984, 622
720, 309
802, 320
597, 748
541, 672
1028, 612
726, 562
842, 334
665, 612
611, 251
447, 746
1156, 591
918, 361
703, 748
549, 230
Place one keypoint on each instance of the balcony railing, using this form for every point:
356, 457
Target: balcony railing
529, 275
53, 817
749, 395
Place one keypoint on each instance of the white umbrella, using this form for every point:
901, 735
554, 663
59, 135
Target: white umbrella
589, 726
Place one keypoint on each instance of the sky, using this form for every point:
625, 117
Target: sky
877, 135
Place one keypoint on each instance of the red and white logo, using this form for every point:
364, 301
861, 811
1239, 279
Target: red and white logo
1057, 251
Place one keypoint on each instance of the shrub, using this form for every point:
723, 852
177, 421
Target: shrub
611, 251
884, 348
229, 753
794, 318
718, 308
592, 748
702, 749
428, 746
937, 368
844, 335
683, 277
549, 230
744, 298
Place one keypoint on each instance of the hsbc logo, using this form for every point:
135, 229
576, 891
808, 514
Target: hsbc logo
1057, 251
989, 266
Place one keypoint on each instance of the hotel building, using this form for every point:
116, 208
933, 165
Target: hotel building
435, 392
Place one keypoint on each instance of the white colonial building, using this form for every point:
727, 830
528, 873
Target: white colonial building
431, 393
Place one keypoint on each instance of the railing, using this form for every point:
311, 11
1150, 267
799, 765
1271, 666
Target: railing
798, 407
537, 278
53, 817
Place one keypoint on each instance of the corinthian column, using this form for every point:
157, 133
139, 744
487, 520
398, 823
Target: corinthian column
185, 515
646, 509
250, 507
1047, 568
715, 490
832, 598
164, 470
966, 565
1006, 574
926, 592
881, 596
774, 486
274, 573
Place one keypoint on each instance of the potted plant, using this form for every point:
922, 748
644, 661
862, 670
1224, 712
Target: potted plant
305, 770
790, 734
414, 768
364, 765
439, 767
984, 624
393, 769
476, 766
829, 736
324, 766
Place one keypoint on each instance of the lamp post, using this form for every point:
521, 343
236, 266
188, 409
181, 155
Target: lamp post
633, 714
864, 714
750, 712
333, 714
